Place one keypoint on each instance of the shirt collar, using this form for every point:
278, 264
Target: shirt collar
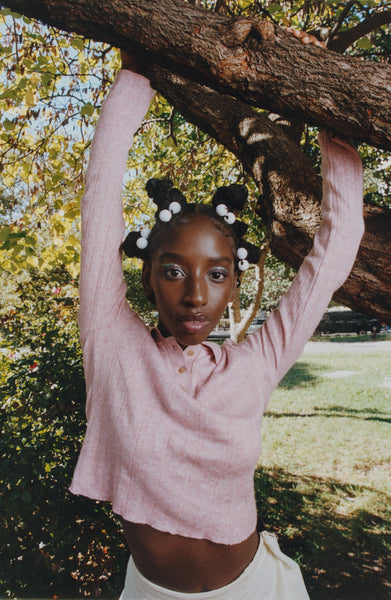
211, 347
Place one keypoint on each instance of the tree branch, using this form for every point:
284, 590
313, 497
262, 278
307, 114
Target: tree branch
343, 40
251, 59
337, 26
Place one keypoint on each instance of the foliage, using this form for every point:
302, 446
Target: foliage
277, 279
53, 543
51, 86
135, 294
377, 178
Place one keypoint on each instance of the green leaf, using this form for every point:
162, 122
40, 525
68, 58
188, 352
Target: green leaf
5, 233
78, 43
87, 109
10, 93
364, 43
8, 125
274, 8
6, 12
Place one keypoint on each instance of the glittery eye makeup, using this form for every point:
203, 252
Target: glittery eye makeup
171, 270
218, 274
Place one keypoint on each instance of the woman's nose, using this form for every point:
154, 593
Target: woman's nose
196, 291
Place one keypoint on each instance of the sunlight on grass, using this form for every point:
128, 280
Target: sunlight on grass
335, 428
323, 481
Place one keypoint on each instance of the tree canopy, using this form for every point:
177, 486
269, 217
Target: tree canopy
230, 68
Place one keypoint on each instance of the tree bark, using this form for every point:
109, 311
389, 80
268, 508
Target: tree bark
290, 189
251, 59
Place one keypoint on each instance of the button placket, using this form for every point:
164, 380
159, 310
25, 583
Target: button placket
184, 382
190, 355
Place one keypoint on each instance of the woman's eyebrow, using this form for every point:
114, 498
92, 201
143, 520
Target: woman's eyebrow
180, 257
170, 256
220, 259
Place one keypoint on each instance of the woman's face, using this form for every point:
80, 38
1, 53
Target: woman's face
192, 277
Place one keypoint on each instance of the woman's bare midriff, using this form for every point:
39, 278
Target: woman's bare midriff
186, 564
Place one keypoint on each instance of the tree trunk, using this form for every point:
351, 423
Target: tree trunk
249, 58
290, 189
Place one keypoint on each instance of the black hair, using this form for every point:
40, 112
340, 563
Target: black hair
163, 194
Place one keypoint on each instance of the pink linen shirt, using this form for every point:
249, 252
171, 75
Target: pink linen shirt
173, 436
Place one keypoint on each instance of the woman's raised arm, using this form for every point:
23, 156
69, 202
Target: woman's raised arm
102, 289
281, 340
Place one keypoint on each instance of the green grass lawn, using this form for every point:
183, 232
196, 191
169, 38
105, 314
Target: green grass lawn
324, 482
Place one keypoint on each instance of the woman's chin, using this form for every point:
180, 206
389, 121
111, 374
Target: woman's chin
192, 336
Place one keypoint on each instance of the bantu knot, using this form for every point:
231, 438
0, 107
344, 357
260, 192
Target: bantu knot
158, 189
162, 192
129, 245
240, 229
253, 252
233, 196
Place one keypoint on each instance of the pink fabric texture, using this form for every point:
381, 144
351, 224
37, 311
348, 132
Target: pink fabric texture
176, 448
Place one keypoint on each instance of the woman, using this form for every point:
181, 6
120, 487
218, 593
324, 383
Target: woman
174, 421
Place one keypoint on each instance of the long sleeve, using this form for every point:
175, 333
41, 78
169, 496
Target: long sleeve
102, 288
280, 341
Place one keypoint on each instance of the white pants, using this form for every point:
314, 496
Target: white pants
271, 575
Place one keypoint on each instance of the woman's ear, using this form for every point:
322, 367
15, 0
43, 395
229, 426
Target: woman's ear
146, 279
147, 283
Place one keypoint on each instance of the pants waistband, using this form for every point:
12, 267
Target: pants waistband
271, 575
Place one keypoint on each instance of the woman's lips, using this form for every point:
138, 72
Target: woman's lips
194, 323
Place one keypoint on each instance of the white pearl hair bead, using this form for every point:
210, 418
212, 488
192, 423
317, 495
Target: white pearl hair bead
145, 232
165, 215
221, 210
243, 265
174, 207
142, 243
229, 218
241, 253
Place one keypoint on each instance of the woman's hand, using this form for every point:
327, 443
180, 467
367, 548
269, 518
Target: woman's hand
339, 147
305, 38
131, 62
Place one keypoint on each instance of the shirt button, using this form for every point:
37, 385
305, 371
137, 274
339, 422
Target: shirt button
182, 369
190, 353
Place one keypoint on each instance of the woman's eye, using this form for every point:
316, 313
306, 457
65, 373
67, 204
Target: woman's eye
173, 272
219, 275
